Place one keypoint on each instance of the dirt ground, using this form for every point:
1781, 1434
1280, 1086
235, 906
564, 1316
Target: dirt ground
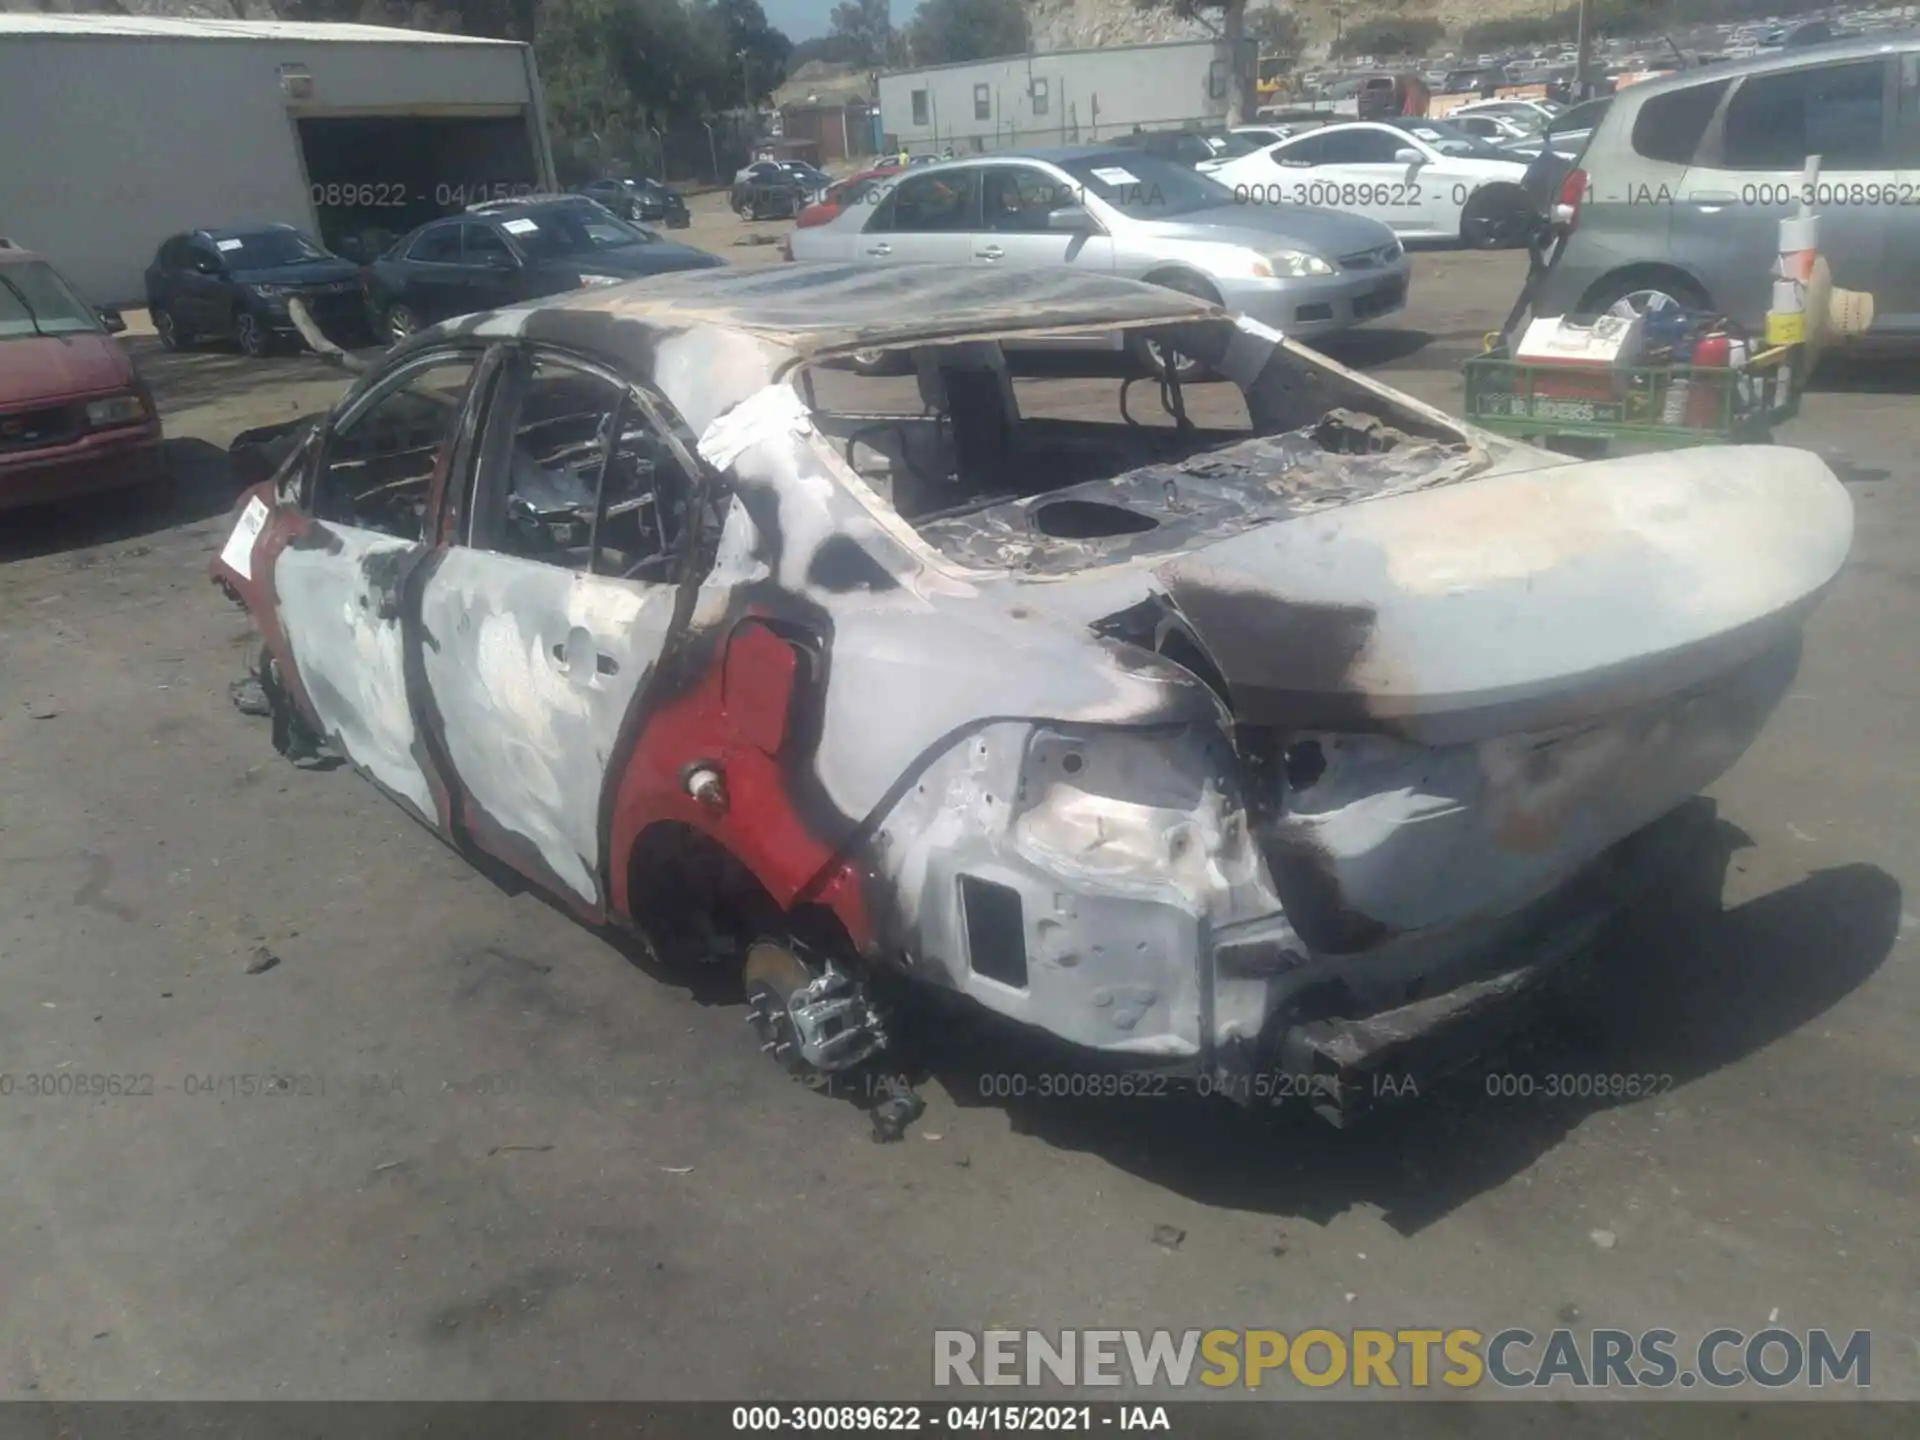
509, 1161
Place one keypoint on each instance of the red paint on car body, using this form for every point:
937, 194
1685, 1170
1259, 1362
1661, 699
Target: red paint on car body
740, 708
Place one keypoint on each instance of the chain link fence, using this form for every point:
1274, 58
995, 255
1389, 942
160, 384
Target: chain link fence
707, 152
986, 140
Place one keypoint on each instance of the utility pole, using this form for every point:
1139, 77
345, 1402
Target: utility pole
746, 82
1583, 53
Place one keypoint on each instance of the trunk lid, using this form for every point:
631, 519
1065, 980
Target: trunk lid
1519, 601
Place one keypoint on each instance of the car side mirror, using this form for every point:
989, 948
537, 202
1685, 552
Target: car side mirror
1409, 156
1071, 219
111, 321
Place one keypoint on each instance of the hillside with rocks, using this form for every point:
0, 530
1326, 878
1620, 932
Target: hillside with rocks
1054, 24
1092, 24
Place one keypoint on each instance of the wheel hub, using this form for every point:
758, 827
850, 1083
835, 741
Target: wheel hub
814, 1020
1643, 302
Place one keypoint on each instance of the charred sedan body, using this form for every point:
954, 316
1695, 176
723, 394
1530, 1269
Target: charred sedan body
1309, 746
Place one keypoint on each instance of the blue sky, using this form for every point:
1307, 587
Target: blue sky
804, 19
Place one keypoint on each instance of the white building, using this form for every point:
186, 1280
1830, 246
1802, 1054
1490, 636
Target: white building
1060, 97
118, 132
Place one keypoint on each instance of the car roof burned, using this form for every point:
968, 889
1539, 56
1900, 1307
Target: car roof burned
709, 338
812, 309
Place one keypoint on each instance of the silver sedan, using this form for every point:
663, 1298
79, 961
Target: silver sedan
1304, 272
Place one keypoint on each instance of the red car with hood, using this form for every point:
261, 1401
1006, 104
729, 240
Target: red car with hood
75, 417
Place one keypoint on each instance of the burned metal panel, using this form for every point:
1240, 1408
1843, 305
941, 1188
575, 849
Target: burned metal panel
1125, 848
708, 339
945, 655
812, 308
1162, 509
532, 669
1518, 600
333, 602
1393, 837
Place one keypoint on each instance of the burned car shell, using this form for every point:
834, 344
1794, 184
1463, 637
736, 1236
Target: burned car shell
1345, 734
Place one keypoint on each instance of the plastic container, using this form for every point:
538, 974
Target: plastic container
1705, 391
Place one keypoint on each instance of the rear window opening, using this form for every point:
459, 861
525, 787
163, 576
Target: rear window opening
980, 450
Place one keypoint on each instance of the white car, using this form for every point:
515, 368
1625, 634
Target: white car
1534, 114
1426, 179
1494, 129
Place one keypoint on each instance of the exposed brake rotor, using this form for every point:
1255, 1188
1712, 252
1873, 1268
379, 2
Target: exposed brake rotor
772, 977
814, 1019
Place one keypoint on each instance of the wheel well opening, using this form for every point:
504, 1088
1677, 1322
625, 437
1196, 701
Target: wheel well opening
1187, 282
693, 898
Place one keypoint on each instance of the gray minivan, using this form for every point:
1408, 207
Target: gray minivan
1679, 194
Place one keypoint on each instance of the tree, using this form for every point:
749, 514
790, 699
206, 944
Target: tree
1276, 31
945, 31
867, 27
752, 51
1389, 37
1231, 29
828, 49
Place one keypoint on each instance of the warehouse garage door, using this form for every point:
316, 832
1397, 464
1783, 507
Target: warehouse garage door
375, 177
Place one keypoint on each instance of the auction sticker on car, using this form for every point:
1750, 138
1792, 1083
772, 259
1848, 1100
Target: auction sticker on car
1114, 175
237, 553
227, 245
522, 226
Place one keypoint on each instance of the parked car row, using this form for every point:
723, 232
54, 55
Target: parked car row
507, 251
1119, 210
236, 283
1424, 179
651, 202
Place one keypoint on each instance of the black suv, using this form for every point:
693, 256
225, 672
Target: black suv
770, 189
235, 283
641, 199
511, 250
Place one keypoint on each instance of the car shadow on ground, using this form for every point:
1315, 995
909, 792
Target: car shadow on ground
212, 373
1865, 373
1366, 349
1680, 988
201, 482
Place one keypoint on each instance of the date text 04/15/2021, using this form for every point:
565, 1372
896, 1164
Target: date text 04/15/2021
950, 1419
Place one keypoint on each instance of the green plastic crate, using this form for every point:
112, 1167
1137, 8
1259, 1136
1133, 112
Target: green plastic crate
1505, 396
